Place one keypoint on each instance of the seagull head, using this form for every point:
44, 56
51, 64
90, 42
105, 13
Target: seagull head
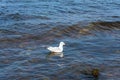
62, 43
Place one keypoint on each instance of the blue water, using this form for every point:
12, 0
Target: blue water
90, 29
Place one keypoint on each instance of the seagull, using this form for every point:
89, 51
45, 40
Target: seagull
57, 49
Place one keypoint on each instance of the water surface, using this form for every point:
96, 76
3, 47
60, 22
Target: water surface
90, 29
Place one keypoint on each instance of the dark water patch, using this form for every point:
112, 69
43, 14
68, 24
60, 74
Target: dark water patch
1, 13
102, 27
77, 71
107, 25
116, 16
85, 71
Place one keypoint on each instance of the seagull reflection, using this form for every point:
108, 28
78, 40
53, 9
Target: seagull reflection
51, 54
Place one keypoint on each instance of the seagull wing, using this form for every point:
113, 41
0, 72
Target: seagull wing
54, 49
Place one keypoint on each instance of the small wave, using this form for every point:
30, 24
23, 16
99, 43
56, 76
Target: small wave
105, 25
77, 30
73, 31
18, 16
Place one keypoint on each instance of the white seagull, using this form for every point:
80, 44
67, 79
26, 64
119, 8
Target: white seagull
57, 49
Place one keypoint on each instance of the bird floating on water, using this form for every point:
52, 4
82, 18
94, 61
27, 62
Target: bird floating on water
57, 49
